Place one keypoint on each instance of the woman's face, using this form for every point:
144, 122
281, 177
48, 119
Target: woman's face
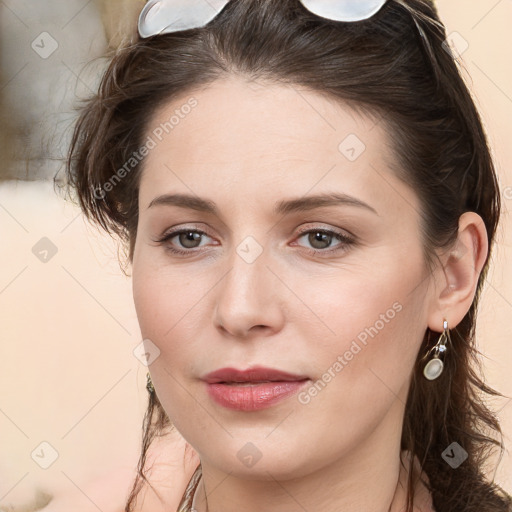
248, 289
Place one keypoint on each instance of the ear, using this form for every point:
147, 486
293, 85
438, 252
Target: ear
457, 280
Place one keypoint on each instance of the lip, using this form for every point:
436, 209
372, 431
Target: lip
252, 389
254, 374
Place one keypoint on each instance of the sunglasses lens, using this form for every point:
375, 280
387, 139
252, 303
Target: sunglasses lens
344, 10
163, 17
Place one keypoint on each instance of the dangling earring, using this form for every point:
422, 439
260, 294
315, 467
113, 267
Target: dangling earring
149, 384
435, 366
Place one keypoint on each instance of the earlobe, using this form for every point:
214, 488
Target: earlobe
458, 279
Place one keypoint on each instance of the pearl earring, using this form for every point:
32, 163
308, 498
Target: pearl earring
435, 366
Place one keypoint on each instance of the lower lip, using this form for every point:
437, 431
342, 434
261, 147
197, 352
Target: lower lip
253, 397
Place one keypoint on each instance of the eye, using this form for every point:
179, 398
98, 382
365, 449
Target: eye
188, 238
321, 240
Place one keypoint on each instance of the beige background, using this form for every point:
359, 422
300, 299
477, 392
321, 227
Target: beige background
68, 329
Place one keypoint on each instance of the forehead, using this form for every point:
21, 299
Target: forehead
236, 135
267, 118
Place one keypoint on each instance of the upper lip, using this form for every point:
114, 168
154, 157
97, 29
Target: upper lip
254, 374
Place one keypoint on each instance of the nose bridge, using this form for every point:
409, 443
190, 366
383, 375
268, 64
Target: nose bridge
247, 294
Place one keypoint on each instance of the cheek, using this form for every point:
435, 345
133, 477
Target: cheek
171, 311
160, 294
363, 370
366, 325
164, 303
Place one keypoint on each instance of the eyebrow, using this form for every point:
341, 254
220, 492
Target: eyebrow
301, 204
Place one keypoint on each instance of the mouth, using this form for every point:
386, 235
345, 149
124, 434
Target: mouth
253, 389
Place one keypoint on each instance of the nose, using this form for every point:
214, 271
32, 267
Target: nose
249, 299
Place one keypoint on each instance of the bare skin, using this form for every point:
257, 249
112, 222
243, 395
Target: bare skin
246, 148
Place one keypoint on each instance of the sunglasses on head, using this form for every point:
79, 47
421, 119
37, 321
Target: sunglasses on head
167, 16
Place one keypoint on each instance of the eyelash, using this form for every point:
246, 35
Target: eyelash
345, 240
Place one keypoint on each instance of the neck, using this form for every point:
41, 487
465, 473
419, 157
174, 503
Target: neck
369, 478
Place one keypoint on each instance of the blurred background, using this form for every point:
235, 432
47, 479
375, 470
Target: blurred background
72, 379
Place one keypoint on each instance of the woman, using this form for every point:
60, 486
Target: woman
309, 203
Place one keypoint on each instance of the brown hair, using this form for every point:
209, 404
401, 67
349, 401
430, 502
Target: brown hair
393, 65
